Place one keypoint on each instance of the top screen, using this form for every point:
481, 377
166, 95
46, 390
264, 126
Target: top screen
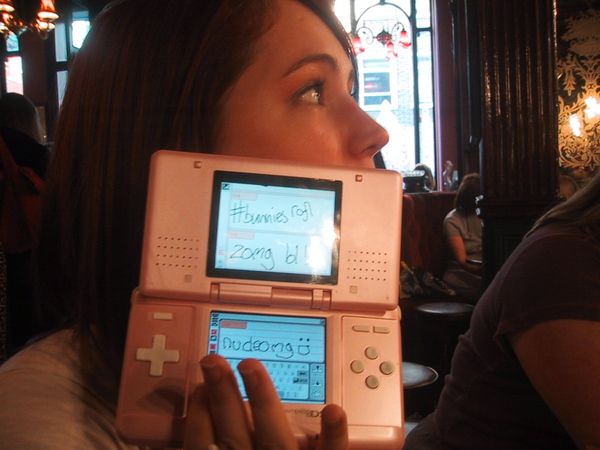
277, 228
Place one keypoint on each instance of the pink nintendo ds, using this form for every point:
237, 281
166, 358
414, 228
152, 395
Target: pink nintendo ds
294, 264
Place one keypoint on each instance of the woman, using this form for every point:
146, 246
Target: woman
267, 78
525, 376
462, 229
429, 178
21, 131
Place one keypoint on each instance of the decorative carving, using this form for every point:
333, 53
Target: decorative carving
579, 95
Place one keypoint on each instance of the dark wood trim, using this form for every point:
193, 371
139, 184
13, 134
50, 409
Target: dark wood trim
513, 52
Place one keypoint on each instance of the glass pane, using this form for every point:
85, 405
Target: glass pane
362, 5
406, 86
423, 13
427, 138
42, 116
377, 82
377, 100
13, 70
12, 43
342, 11
388, 87
376, 64
385, 18
406, 5
425, 67
60, 42
426, 110
61, 83
80, 31
79, 27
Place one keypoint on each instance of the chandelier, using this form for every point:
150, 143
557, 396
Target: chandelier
389, 21
43, 22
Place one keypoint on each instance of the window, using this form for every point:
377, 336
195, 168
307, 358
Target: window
378, 83
396, 82
67, 40
80, 27
13, 67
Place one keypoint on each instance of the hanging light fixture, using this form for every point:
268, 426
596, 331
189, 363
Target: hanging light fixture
404, 40
43, 22
392, 36
357, 45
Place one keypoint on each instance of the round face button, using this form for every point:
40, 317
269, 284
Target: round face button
386, 367
372, 382
371, 352
357, 366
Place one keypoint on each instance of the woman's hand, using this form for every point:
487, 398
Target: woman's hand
457, 248
217, 417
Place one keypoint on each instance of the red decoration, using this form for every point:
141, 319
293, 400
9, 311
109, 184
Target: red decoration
357, 45
390, 50
384, 37
404, 40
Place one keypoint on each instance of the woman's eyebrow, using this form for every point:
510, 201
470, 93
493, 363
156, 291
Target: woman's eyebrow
317, 58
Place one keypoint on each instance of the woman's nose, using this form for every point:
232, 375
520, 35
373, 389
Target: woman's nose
367, 137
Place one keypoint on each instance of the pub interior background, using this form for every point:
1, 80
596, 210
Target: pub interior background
505, 88
499, 107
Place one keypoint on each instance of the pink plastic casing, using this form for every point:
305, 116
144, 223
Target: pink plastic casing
177, 226
169, 321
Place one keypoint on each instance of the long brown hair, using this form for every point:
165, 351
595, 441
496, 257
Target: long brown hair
582, 209
134, 89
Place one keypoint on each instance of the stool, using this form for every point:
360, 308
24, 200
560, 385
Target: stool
416, 375
417, 402
409, 425
442, 323
439, 326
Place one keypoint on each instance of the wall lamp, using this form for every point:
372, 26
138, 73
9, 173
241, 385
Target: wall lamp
10, 23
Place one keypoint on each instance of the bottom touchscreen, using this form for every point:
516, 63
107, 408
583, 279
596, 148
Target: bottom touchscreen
292, 349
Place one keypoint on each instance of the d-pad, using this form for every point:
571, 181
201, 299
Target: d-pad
158, 355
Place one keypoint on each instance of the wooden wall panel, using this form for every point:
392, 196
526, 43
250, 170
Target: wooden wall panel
518, 67
518, 153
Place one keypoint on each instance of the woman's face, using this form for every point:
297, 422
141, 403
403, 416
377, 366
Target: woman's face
294, 101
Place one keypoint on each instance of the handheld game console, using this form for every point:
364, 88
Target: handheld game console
293, 264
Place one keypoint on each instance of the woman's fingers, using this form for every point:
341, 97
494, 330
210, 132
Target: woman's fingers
271, 426
231, 426
217, 415
334, 429
198, 426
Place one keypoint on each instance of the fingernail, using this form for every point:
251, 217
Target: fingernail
249, 377
330, 417
211, 372
331, 420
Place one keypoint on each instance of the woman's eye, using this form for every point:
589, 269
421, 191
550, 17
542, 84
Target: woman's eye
312, 94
